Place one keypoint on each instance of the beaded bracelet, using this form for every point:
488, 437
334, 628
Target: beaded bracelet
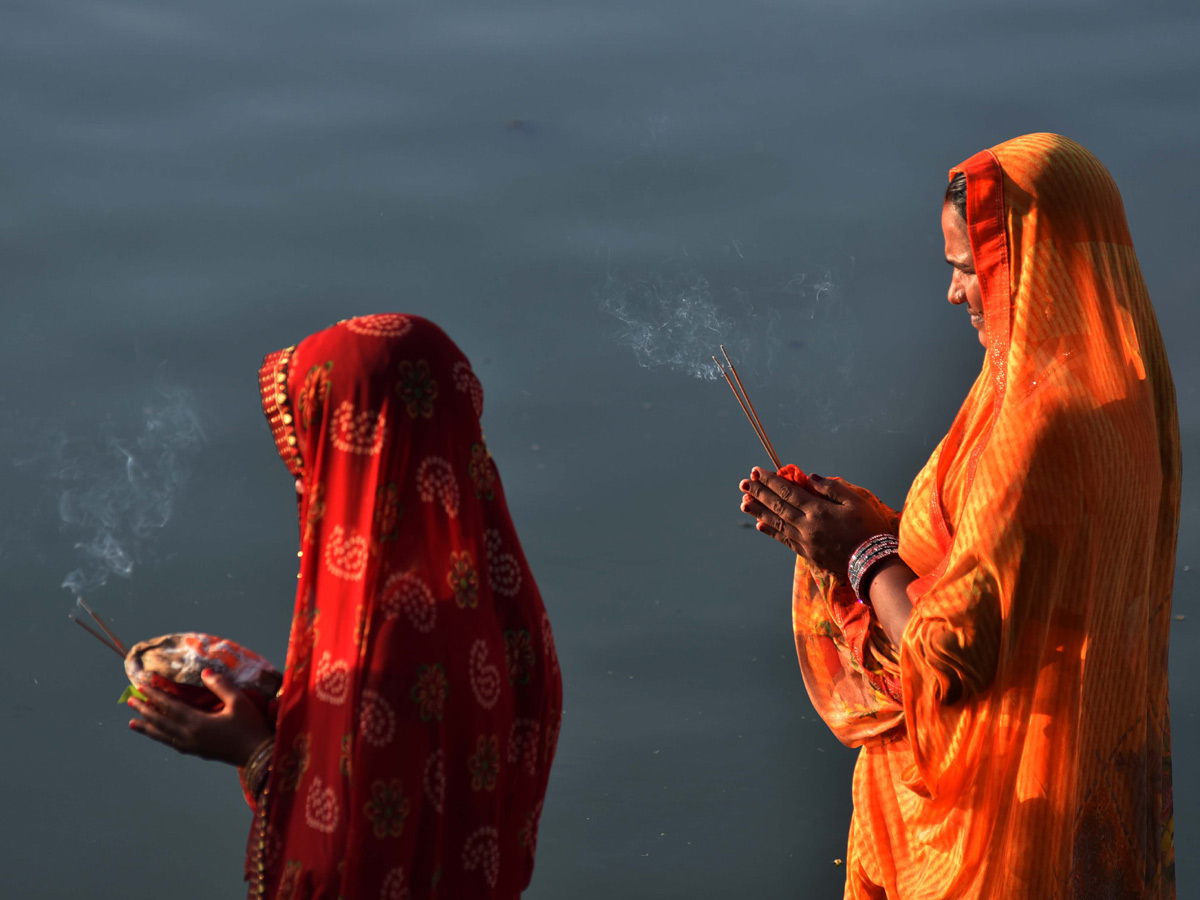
254, 771
866, 556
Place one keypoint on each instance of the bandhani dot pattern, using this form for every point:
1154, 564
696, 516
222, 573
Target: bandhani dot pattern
481, 853
524, 745
333, 680
377, 721
321, 807
384, 325
399, 668
435, 780
466, 382
357, 431
346, 554
504, 570
485, 676
395, 887
406, 593
436, 484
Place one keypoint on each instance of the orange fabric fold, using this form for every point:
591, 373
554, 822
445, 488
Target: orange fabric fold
1026, 753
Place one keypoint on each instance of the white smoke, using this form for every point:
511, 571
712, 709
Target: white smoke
671, 322
118, 492
679, 321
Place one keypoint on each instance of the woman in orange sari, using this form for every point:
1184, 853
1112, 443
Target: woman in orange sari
1003, 665
422, 697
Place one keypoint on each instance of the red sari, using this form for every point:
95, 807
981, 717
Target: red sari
422, 697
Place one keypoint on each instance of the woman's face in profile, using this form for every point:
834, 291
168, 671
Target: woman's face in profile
964, 283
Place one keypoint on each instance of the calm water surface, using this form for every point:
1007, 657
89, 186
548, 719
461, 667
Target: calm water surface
188, 186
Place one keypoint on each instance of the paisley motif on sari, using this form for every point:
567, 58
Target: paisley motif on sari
389, 776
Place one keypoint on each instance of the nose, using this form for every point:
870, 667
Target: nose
956, 295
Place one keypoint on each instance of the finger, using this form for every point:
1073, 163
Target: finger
781, 506
766, 516
752, 507
769, 492
155, 734
788, 491
832, 490
158, 725
226, 691
165, 704
787, 540
152, 716
769, 531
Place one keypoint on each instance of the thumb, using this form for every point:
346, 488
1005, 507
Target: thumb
829, 488
225, 689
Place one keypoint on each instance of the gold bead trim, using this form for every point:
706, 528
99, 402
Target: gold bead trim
272, 380
260, 850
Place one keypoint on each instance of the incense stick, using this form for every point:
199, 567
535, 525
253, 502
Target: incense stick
742, 404
748, 410
96, 635
99, 621
757, 421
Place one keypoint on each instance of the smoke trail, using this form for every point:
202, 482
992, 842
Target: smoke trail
671, 322
678, 321
792, 328
118, 493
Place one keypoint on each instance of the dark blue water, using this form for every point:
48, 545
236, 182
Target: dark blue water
184, 187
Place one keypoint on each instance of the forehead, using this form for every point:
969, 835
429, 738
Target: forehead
958, 243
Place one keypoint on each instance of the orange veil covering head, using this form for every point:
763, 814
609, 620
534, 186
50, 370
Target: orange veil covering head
1017, 743
422, 696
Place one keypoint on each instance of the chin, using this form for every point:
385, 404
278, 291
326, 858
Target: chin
983, 338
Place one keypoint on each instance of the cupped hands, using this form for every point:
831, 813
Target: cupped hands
230, 734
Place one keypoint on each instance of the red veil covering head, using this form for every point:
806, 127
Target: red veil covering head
1016, 745
422, 697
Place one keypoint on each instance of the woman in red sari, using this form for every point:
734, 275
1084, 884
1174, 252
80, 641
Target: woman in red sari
421, 700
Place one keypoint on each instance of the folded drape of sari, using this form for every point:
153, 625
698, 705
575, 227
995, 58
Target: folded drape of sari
1017, 743
422, 696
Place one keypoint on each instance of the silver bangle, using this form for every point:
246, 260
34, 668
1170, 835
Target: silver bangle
867, 556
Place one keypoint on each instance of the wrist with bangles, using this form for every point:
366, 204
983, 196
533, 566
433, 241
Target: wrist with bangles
866, 559
257, 767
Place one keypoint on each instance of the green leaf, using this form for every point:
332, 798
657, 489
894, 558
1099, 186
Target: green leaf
131, 691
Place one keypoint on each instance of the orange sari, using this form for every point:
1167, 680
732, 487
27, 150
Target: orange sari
1043, 533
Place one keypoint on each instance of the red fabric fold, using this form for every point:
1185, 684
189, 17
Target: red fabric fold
422, 695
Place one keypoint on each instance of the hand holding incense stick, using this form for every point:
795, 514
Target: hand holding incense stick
173, 663
747, 407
